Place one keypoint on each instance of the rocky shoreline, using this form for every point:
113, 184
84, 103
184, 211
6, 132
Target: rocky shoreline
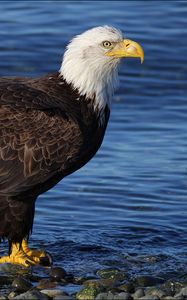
110, 284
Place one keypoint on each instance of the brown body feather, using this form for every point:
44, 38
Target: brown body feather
47, 131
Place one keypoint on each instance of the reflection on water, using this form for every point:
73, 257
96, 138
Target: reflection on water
128, 204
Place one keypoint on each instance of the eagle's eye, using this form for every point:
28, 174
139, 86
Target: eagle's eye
107, 44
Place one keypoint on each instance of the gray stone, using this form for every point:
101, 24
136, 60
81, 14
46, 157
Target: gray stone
139, 293
53, 292
155, 291
122, 296
32, 295
183, 291
105, 296
149, 297
179, 296
170, 298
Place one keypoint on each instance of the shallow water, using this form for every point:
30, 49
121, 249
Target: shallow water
127, 207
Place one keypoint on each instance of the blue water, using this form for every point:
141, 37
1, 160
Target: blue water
127, 207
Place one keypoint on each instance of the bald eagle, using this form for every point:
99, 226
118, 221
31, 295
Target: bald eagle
52, 126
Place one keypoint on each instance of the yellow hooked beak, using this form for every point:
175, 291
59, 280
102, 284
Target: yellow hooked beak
127, 48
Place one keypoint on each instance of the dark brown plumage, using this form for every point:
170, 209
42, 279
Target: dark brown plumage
45, 134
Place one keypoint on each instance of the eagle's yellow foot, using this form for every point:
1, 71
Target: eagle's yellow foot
18, 256
39, 256
23, 255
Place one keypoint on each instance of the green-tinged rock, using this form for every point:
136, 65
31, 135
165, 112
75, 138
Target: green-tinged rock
101, 283
88, 293
93, 283
144, 281
32, 295
82, 279
13, 269
111, 273
3, 298
21, 284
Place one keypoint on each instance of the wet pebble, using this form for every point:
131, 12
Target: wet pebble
127, 287
144, 281
138, 293
179, 297
105, 296
32, 295
183, 292
111, 296
123, 296
12, 295
170, 298
155, 291
58, 273
21, 284
46, 284
148, 297
112, 273
63, 298
172, 287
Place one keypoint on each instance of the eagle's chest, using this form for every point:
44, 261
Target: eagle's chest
92, 136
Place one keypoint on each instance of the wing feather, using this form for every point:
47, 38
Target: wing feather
34, 143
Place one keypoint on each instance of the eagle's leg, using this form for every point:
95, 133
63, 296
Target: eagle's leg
39, 256
18, 256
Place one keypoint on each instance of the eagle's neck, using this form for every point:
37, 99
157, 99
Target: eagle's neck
93, 80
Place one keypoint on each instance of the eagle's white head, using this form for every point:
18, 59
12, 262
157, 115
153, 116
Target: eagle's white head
91, 60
